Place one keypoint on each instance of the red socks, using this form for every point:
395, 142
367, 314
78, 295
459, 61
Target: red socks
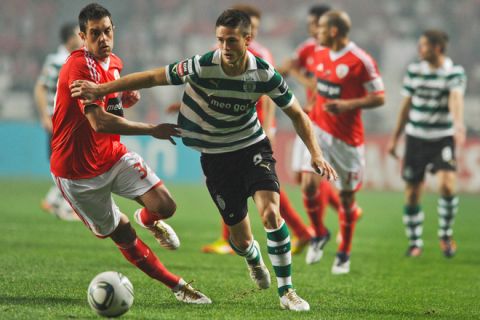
292, 218
348, 218
148, 217
140, 255
330, 195
315, 207
225, 232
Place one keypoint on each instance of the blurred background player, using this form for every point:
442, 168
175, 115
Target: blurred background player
347, 81
432, 116
302, 67
266, 115
89, 162
44, 93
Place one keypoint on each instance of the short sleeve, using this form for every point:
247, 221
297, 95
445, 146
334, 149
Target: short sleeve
84, 69
457, 80
371, 79
178, 72
279, 92
407, 86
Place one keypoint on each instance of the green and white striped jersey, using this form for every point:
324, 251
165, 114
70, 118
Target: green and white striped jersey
217, 112
49, 76
429, 117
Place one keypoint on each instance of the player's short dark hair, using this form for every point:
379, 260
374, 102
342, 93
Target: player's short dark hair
436, 38
252, 11
93, 11
319, 10
340, 20
233, 18
67, 30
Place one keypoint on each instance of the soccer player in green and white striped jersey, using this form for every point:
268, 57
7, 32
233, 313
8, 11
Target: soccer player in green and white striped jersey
218, 118
432, 116
44, 93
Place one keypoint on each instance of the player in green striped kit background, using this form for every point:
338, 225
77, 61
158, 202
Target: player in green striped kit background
432, 116
217, 117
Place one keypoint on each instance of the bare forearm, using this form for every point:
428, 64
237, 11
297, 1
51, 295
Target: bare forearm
40, 95
456, 107
134, 81
402, 119
304, 128
369, 102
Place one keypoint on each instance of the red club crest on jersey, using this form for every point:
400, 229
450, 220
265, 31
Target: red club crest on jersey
341, 70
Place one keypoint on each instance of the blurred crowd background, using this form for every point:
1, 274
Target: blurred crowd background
152, 33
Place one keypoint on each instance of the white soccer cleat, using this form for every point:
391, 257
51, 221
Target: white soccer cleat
188, 294
164, 233
315, 249
291, 301
259, 273
341, 265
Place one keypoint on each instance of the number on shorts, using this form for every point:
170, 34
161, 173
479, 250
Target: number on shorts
352, 176
141, 169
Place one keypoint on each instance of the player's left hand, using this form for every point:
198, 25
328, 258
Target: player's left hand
337, 106
323, 168
85, 90
129, 98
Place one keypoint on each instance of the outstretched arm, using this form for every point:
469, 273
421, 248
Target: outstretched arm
90, 91
303, 126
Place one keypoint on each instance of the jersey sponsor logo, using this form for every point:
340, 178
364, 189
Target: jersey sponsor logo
114, 106
341, 70
328, 89
230, 106
184, 68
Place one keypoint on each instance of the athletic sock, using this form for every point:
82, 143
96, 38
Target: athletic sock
447, 209
413, 217
292, 218
225, 232
140, 255
333, 199
148, 217
315, 207
347, 216
252, 255
278, 244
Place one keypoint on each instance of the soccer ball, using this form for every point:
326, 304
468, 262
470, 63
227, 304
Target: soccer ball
110, 294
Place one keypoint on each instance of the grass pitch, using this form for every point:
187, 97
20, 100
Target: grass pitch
46, 264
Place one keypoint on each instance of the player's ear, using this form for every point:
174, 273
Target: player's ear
248, 39
82, 35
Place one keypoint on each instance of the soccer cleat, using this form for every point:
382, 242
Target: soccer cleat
448, 246
291, 301
414, 251
341, 265
164, 233
315, 250
221, 246
259, 273
299, 244
188, 294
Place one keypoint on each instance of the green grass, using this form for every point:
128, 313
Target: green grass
46, 265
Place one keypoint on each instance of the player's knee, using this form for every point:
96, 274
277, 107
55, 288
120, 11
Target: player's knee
309, 188
447, 190
164, 208
124, 233
270, 217
241, 243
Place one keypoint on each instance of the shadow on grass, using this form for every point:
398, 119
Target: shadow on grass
6, 301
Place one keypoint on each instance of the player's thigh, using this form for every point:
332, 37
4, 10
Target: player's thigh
268, 203
447, 182
92, 201
298, 151
349, 162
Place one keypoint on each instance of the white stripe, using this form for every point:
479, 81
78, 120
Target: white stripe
280, 260
428, 134
284, 281
432, 103
231, 148
271, 243
453, 202
418, 218
428, 117
223, 139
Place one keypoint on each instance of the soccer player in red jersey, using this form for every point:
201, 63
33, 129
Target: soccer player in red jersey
89, 162
266, 115
302, 67
347, 81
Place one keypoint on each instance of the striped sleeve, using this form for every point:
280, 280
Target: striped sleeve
407, 88
457, 80
178, 72
279, 91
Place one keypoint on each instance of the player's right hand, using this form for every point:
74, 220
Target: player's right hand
392, 149
85, 90
323, 168
166, 131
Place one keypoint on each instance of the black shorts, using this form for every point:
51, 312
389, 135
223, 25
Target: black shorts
233, 177
422, 155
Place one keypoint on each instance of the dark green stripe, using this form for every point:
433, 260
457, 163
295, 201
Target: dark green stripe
189, 102
261, 64
283, 289
411, 210
423, 76
206, 59
431, 109
280, 249
283, 100
186, 124
284, 271
455, 75
191, 142
278, 235
428, 125
173, 75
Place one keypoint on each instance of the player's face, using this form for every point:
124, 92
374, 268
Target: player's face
312, 24
232, 43
98, 38
324, 33
255, 24
426, 50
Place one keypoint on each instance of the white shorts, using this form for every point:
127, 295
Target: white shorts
347, 160
298, 150
92, 198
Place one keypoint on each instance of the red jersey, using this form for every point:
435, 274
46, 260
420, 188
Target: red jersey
262, 52
347, 74
78, 152
305, 55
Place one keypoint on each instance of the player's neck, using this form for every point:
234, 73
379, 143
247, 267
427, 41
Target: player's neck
437, 62
339, 44
237, 68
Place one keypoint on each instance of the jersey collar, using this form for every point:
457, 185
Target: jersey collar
334, 55
252, 62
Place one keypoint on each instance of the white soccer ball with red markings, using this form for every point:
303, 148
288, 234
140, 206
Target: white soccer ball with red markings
110, 294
